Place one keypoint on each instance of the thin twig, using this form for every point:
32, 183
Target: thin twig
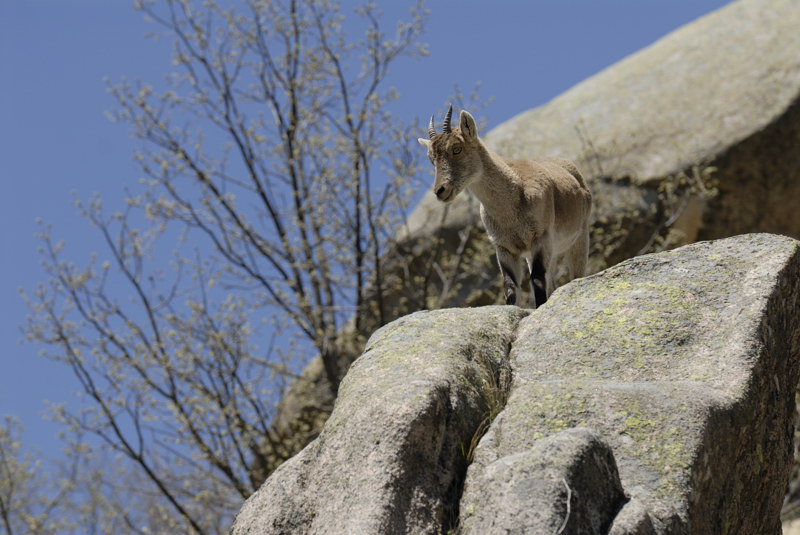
569, 499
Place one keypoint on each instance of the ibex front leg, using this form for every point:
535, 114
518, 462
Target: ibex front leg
511, 268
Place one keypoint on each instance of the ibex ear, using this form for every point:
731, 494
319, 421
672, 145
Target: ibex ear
424, 142
468, 128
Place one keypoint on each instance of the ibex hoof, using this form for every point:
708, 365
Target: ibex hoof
511, 298
539, 293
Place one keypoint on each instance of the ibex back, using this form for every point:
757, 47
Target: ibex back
535, 211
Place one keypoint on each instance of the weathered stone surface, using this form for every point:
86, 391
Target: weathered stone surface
685, 363
632, 519
722, 91
565, 483
658, 396
391, 457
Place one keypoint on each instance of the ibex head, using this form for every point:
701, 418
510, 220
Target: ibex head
454, 154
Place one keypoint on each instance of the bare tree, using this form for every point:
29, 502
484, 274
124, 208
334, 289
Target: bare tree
275, 177
24, 507
43, 498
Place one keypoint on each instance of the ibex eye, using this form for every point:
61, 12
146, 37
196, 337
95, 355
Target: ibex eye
456, 150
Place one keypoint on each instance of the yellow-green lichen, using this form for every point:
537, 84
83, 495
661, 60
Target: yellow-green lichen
632, 421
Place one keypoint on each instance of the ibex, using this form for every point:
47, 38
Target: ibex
536, 210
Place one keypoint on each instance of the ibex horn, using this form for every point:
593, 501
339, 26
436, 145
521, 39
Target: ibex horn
431, 129
446, 125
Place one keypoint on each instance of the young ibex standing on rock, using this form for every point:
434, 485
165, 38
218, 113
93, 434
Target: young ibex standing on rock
536, 210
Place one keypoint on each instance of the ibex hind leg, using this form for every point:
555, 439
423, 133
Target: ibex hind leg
511, 268
578, 256
538, 280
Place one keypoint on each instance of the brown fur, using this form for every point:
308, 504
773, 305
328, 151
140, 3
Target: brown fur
533, 210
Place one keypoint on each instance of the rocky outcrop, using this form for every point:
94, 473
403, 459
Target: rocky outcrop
719, 94
654, 397
686, 364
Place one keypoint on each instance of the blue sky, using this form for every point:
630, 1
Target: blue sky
55, 138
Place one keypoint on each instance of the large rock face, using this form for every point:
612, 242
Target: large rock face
654, 397
721, 92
